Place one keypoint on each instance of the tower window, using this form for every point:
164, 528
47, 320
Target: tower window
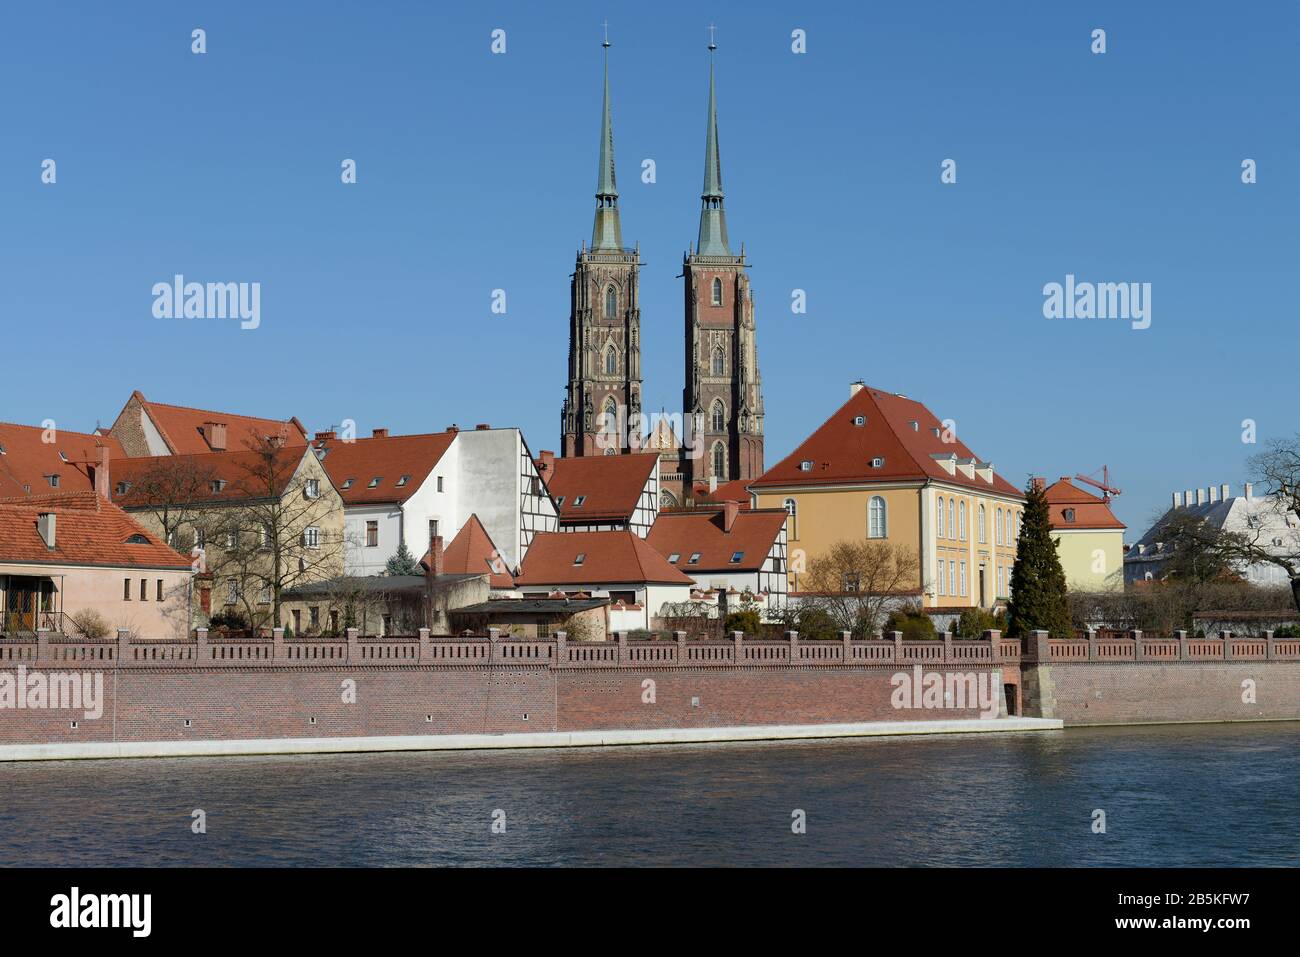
719, 416
719, 362
611, 303
717, 291
611, 361
719, 460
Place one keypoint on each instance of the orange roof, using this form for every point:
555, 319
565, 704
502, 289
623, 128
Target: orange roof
472, 552
243, 476
404, 459
687, 533
26, 460
737, 490
615, 557
902, 432
609, 485
87, 531
182, 428
1089, 510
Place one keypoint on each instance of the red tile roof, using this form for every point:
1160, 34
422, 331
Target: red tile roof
610, 485
472, 552
1089, 510
615, 557
701, 530
841, 452
736, 490
27, 460
388, 459
87, 531
244, 476
182, 428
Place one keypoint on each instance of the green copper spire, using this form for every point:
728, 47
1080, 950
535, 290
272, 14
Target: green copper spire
606, 233
713, 219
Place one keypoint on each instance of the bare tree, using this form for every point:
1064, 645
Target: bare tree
855, 582
173, 490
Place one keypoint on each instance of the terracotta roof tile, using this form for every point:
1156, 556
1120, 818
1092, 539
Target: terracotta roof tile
87, 531
701, 530
841, 451
472, 552
1090, 511
27, 460
243, 476
615, 557
609, 485
183, 427
736, 490
387, 459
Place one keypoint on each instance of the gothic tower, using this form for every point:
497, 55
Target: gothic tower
723, 392
602, 405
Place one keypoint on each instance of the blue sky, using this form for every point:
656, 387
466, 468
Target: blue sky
477, 171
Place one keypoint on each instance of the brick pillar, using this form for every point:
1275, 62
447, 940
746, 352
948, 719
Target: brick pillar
994, 638
201, 651
1139, 652
424, 636
1227, 644
846, 647
561, 647
1269, 649
897, 638
947, 646
793, 638
354, 646
1181, 635
620, 640
277, 644
494, 645
1092, 644
1038, 642
680, 638
43, 643
737, 647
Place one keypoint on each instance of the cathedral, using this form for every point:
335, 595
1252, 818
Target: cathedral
718, 435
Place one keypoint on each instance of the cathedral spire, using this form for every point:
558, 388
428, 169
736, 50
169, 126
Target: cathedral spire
713, 219
606, 232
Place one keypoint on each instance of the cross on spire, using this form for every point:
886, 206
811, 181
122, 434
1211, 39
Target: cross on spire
712, 44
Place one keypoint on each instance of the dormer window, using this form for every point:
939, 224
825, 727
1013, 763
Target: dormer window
859, 420
560, 501
137, 539
1069, 515
123, 488
218, 485
374, 482
806, 465
916, 426
63, 455
878, 462
53, 479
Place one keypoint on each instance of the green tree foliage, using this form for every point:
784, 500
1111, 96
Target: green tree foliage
403, 563
1038, 594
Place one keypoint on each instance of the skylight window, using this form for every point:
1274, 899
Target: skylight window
374, 482
348, 483
737, 557
63, 455
560, 500
674, 558
694, 559
2, 450
403, 480
582, 557
579, 500
137, 539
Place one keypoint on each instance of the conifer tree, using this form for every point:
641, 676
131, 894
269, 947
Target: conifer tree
1038, 592
403, 563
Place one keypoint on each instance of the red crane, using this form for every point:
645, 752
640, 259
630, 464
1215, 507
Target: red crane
1107, 490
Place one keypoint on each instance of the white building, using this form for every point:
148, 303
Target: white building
598, 493
412, 488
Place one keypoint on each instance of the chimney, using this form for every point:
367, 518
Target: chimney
1200, 496
379, 433
729, 512
326, 436
1225, 491
45, 523
453, 427
215, 433
856, 387
1250, 489
435, 556
482, 427
1212, 494
713, 484
546, 462
1178, 499
102, 488
1039, 483
1187, 500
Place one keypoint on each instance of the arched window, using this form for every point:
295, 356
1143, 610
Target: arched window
939, 530
667, 499
719, 362
877, 526
717, 291
609, 416
997, 526
961, 521
719, 460
611, 361
718, 416
982, 528
792, 524
952, 518
611, 303
1010, 537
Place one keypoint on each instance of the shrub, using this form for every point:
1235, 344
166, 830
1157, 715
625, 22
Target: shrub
1287, 631
914, 624
228, 619
973, 622
748, 621
90, 623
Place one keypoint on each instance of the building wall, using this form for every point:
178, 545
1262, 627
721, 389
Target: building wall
84, 588
361, 559
136, 433
1079, 551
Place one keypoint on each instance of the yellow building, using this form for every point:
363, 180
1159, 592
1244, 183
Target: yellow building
1090, 539
883, 467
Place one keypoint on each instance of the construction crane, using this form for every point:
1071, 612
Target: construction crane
1107, 490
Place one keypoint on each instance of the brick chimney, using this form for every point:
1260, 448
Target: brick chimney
45, 525
102, 487
379, 433
545, 462
482, 427
326, 436
435, 557
215, 433
729, 512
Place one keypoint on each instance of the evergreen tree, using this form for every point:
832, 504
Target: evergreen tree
1038, 592
403, 563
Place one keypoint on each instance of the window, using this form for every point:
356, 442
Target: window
737, 557
123, 488
311, 489
939, 530
144, 589
218, 485
1069, 515
851, 583
264, 596
311, 536
578, 500
952, 525
962, 580
719, 416
717, 291
941, 590
719, 361
983, 534
611, 361
439, 483
315, 621
347, 484
560, 501
403, 480
433, 529
719, 460
876, 526
200, 538
126, 589
878, 462
138, 539
581, 557
694, 559
674, 558
266, 537
611, 303
232, 538
1009, 537
160, 589
372, 534
1002, 580
375, 481
952, 578
232, 590
806, 465
792, 509
961, 521
997, 526
859, 420
53, 480
609, 416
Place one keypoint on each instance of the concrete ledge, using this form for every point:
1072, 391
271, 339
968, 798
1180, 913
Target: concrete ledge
541, 739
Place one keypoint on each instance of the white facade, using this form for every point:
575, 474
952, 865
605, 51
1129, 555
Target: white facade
650, 598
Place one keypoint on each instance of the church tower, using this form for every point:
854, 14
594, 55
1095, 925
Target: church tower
723, 392
602, 405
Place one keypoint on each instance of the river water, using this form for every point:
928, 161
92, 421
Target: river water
1191, 795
